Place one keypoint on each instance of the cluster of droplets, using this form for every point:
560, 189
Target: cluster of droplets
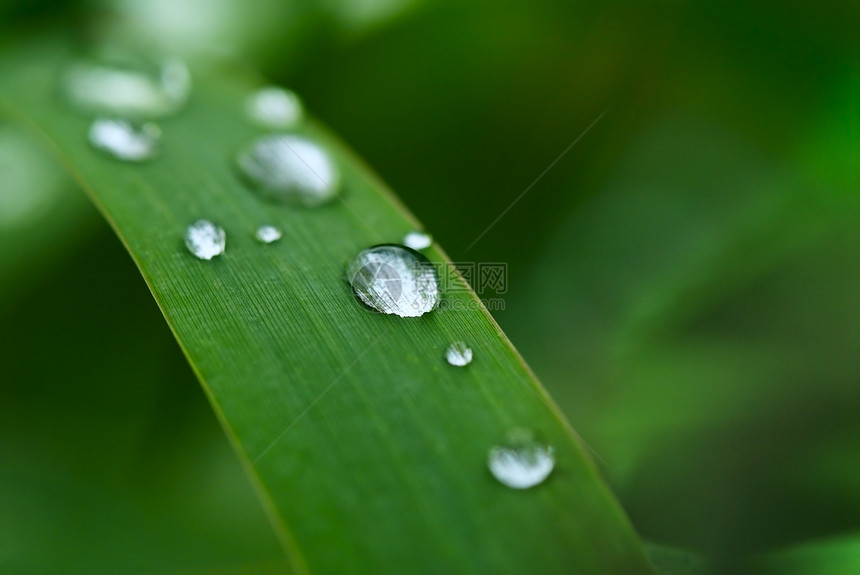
399, 280
126, 93
126, 96
281, 166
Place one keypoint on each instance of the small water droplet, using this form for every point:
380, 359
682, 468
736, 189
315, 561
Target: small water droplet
205, 239
268, 234
522, 461
290, 169
417, 240
126, 85
274, 108
458, 354
123, 140
394, 280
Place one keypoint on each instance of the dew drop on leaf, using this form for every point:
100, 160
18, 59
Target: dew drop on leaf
395, 280
417, 240
290, 169
128, 86
522, 460
268, 234
458, 354
274, 108
205, 239
123, 140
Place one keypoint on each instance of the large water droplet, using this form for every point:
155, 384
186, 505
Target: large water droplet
124, 85
123, 140
458, 354
395, 280
274, 108
268, 234
205, 239
290, 169
522, 461
417, 240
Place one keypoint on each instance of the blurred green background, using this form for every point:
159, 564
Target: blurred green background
685, 281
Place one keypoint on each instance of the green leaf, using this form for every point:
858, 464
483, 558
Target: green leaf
673, 561
368, 451
833, 556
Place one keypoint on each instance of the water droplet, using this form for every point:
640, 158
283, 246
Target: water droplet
458, 354
123, 140
395, 280
268, 234
128, 86
522, 461
205, 240
290, 169
274, 108
417, 240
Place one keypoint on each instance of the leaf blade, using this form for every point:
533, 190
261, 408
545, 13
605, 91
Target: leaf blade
358, 436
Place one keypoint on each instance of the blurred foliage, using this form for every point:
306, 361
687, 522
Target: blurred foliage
107, 469
672, 561
42, 215
839, 556
685, 281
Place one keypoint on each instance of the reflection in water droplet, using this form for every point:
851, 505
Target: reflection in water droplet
458, 354
394, 280
522, 461
205, 240
123, 140
290, 169
127, 86
417, 240
268, 234
274, 108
